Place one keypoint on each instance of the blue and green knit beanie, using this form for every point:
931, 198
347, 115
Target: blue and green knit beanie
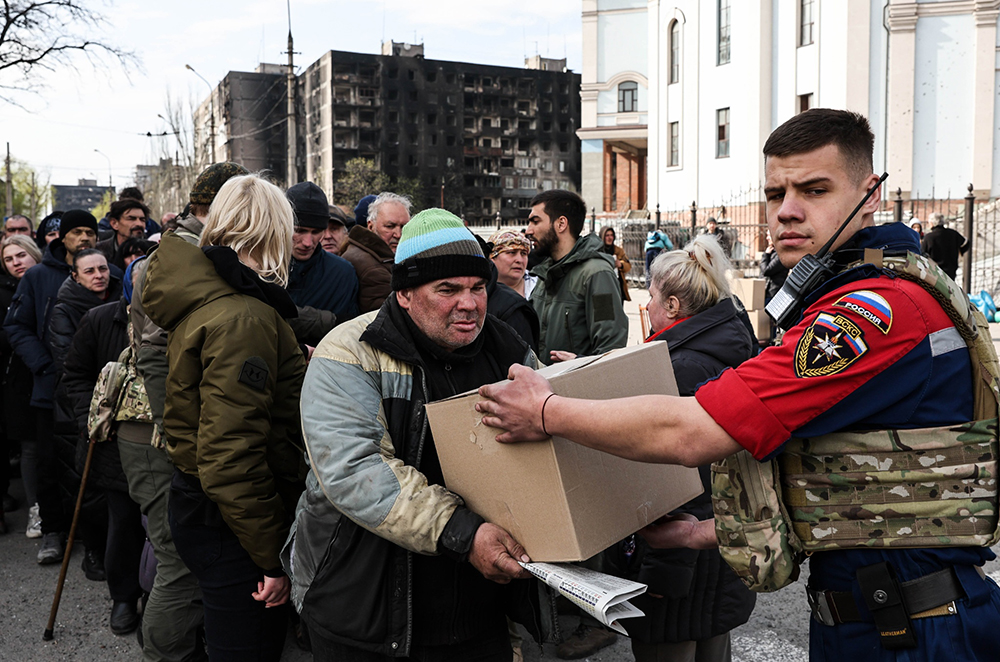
435, 244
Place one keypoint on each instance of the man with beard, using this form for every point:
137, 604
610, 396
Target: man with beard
577, 298
128, 219
27, 325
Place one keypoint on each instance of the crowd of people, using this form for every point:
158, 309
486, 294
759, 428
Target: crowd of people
210, 317
246, 382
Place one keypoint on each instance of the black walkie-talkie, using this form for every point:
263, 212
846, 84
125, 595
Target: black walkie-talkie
786, 306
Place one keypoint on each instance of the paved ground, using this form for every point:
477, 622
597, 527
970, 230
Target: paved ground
777, 631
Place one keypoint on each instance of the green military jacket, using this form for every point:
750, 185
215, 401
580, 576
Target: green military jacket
579, 302
232, 395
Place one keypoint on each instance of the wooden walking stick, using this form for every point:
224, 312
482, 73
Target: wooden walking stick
47, 635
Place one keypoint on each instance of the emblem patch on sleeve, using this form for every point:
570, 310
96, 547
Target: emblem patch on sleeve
830, 345
254, 373
869, 305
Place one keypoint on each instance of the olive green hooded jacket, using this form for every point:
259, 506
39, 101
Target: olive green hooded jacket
579, 302
232, 394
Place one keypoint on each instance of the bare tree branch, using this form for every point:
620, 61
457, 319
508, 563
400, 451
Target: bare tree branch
45, 35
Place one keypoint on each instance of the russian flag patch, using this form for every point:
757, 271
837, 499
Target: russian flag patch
870, 306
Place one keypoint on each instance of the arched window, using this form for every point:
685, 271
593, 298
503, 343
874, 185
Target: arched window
628, 97
675, 52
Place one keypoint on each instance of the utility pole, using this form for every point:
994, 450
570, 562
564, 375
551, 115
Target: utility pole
292, 171
34, 198
211, 112
10, 187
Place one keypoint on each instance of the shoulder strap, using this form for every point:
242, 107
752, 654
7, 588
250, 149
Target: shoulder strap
971, 323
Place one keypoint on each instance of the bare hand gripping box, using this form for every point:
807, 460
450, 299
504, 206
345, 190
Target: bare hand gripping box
563, 501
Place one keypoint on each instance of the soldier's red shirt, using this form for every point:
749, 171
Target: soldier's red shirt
873, 353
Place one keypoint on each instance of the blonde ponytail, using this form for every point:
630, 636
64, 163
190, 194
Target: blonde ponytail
695, 274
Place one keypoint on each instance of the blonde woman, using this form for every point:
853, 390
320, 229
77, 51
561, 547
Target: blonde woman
231, 413
694, 599
18, 253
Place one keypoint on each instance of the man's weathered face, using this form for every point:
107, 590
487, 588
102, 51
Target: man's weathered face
333, 237
389, 223
450, 311
305, 241
79, 238
808, 196
16, 225
541, 230
131, 224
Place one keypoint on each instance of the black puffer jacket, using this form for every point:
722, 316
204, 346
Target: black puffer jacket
508, 306
72, 302
702, 597
102, 336
17, 380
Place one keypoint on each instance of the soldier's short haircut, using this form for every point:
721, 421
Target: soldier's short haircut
559, 202
819, 127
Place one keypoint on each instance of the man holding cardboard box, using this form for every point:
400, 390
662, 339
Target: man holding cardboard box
882, 427
385, 562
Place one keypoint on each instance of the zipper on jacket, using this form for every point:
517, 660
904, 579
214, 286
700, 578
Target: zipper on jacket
569, 334
409, 554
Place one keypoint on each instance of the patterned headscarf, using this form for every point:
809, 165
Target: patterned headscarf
504, 242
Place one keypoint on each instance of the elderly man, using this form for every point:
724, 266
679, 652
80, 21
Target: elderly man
336, 230
371, 249
128, 220
385, 562
882, 426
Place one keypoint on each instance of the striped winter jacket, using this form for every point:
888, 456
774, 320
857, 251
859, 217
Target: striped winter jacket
367, 507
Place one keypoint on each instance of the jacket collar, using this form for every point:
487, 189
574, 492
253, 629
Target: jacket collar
55, 256
370, 242
390, 332
586, 247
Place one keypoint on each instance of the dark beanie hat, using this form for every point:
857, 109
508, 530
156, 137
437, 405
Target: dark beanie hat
76, 218
435, 244
361, 211
211, 180
310, 206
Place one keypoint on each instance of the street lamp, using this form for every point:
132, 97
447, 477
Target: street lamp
211, 106
110, 184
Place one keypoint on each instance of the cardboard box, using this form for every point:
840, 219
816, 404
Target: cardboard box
761, 324
563, 501
750, 291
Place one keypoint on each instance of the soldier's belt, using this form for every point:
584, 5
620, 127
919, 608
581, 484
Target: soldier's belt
930, 595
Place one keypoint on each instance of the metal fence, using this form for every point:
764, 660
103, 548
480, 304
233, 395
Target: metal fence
739, 215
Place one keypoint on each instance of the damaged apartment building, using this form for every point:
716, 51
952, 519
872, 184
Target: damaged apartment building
482, 140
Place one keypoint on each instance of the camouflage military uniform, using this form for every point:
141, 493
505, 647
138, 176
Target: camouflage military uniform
872, 352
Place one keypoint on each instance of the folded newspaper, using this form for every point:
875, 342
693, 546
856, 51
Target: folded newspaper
605, 597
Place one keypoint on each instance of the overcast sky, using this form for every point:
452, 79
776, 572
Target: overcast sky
80, 111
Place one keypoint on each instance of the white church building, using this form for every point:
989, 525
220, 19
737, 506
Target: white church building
678, 96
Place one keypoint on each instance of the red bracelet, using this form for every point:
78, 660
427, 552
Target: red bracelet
543, 414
